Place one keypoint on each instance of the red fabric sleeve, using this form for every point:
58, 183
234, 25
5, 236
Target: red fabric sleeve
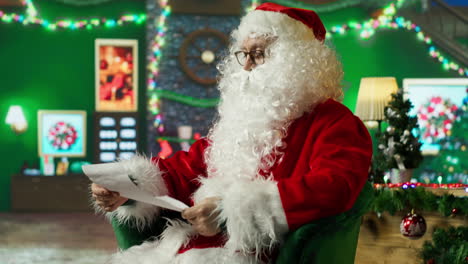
182, 170
339, 156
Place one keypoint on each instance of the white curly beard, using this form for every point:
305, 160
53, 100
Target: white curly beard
258, 106
245, 131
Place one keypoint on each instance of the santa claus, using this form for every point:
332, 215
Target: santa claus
283, 152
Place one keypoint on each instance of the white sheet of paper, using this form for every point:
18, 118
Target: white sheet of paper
113, 177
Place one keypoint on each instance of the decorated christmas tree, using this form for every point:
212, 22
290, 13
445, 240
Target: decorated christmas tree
397, 146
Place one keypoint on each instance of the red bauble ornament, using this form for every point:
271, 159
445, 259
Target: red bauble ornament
455, 211
413, 226
431, 261
103, 65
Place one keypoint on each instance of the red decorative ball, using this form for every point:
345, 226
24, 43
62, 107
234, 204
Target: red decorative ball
103, 65
455, 211
431, 261
413, 226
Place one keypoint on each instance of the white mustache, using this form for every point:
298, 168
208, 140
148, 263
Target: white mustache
250, 79
243, 78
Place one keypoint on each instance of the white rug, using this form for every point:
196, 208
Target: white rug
40, 255
40, 238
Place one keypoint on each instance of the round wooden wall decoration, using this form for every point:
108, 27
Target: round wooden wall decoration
200, 52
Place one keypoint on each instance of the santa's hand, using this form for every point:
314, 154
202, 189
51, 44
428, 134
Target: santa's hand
106, 199
204, 216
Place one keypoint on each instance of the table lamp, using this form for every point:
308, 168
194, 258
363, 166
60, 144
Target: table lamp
15, 118
374, 94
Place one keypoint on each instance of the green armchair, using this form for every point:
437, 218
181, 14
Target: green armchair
331, 240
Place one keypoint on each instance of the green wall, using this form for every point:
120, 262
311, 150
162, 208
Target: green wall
390, 52
42, 69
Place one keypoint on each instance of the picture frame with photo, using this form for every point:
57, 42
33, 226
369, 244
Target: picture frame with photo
116, 69
61, 133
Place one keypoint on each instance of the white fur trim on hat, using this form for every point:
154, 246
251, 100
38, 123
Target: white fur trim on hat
259, 22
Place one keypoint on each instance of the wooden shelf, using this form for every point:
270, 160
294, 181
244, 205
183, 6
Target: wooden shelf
50, 193
456, 192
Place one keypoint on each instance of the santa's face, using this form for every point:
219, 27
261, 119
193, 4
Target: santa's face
252, 52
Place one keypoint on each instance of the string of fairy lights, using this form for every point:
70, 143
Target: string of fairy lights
153, 67
408, 185
387, 20
32, 17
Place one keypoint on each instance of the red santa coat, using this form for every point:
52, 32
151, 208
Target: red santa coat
324, 168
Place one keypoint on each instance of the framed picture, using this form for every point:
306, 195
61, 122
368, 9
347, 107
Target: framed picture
438, 105
61, 133
116, 64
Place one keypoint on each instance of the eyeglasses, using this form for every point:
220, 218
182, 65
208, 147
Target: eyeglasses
256, 56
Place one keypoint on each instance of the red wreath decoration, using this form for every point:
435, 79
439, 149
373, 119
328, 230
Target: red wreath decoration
62, 136
436, 118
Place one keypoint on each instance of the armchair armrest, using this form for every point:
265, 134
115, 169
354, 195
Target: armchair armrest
318, 242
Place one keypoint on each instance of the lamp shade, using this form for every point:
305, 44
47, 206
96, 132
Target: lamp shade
15, 115
15, 118
374, 94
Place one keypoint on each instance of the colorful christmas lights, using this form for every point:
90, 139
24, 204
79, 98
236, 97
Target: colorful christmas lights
31, 11
32, 17
251, 7
153, 67
387, 21
408, 185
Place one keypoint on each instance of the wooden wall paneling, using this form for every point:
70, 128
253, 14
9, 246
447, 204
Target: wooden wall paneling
380, 241
207, 7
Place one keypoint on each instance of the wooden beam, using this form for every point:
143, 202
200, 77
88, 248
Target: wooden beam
206, 7
10, 3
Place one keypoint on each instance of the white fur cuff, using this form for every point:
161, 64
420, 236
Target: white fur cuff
137, 215
148, 177
254, 215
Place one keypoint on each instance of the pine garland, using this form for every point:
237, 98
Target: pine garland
419, 199
447, 246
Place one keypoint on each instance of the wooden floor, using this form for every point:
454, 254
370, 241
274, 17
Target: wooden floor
72, 238
83, 238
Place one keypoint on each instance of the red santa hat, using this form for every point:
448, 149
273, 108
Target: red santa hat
307, 17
